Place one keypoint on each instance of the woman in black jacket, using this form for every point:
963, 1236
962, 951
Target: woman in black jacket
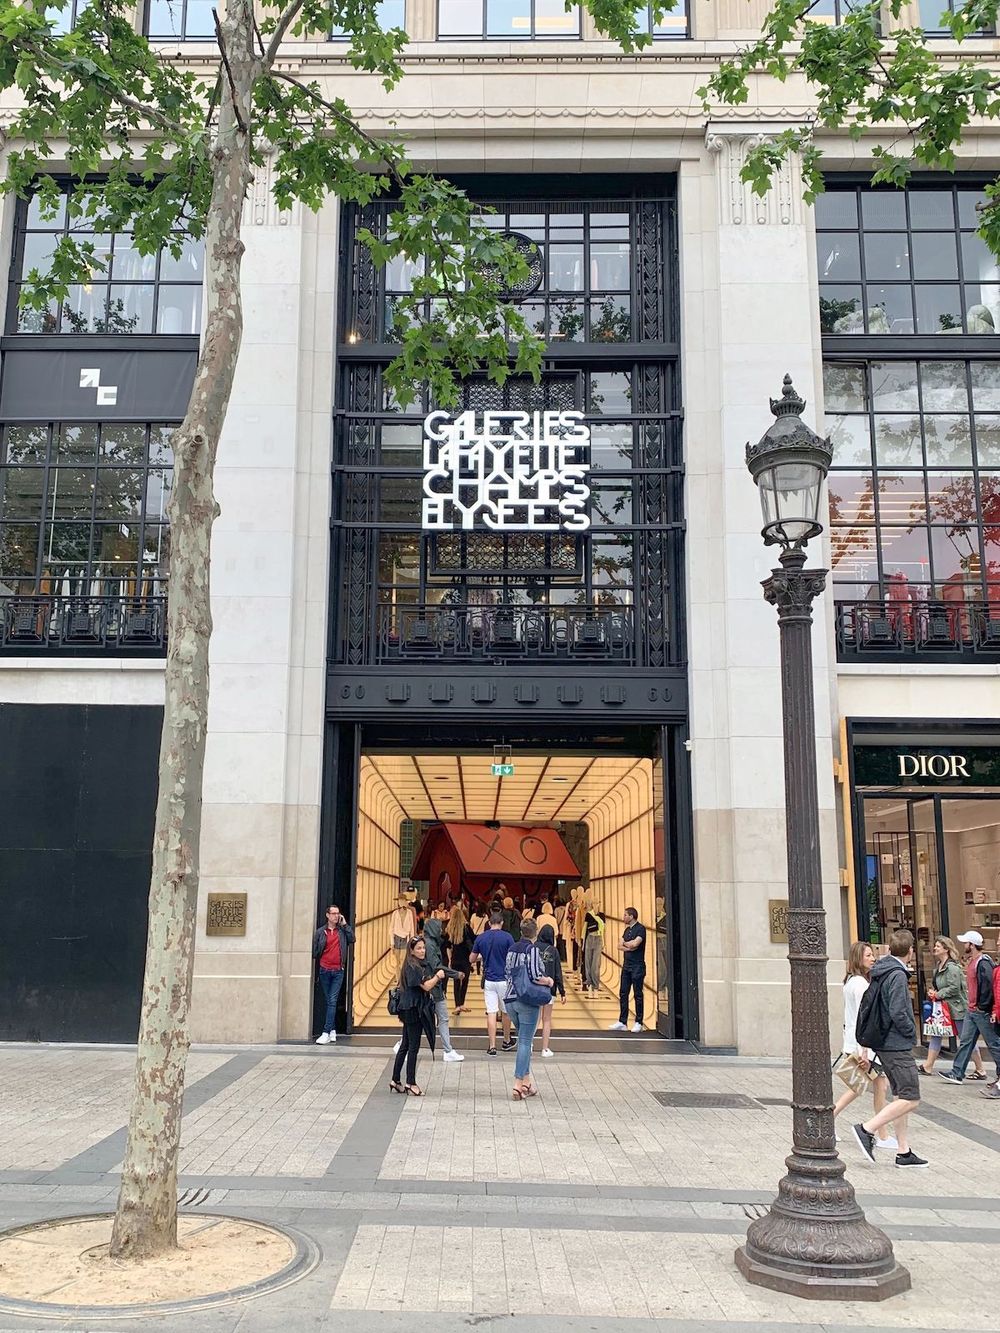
416, 1013
461, 940
553, 968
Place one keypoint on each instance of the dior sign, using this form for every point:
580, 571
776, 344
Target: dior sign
933, 766
509, 471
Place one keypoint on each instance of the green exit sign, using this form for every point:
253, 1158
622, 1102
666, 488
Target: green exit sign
502, 770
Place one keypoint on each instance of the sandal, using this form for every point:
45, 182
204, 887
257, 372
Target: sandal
518, 1095
977, 1076
922, 1070
397, 1087
529, 1091
413, 1090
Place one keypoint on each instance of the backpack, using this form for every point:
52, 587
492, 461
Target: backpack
395, 995
873, 1025
525, 990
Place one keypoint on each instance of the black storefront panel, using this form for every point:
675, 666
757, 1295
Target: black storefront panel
77, 804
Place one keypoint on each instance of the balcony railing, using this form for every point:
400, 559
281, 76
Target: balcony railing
539, 634
83, 626
928, 630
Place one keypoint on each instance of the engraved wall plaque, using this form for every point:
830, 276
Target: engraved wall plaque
777, 916
226, 914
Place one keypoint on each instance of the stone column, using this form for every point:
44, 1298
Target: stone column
749, 296
263, 757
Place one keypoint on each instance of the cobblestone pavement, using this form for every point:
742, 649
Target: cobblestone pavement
594, 1205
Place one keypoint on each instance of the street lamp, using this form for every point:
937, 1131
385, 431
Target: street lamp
815, 1241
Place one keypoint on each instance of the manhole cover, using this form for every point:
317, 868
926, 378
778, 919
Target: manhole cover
708, 1101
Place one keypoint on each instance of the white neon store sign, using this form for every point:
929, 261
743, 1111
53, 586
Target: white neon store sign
510, 471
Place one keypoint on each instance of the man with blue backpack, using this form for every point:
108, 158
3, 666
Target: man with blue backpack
886, 1025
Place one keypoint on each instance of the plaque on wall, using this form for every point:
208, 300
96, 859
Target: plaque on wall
777, 916
226, 914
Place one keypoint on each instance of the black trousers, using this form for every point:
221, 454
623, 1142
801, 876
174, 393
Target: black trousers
408, 1048
630, 982
461, 985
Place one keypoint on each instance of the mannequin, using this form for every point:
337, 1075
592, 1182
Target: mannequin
402, 928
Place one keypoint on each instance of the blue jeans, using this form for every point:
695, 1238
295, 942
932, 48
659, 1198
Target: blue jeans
976, 1025
526, 1018
331, 979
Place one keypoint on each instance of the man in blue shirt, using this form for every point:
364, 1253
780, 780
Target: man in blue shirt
633, 971
492, 947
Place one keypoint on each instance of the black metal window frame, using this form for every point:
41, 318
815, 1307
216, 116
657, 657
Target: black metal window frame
587, 606
915, 462
70, 493
849, 237
483, 34
160, 32
392, 14
930, 16
160, 278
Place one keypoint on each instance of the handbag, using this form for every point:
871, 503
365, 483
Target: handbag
939, 1023
526, 990
849, 1071
395, 995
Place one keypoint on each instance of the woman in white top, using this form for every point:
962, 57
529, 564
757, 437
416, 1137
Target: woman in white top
860, 962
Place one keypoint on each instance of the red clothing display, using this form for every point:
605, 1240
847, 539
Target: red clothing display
330, 957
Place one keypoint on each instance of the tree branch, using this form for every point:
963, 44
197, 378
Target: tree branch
229, 72
343, 118
285, 20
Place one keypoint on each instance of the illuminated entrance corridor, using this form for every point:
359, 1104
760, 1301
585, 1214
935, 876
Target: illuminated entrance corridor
446, 816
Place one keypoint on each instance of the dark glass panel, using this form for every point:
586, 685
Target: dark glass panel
883, 210
939, 309
837, 208
901, 497
951, 497
934, 255
840, 309
897, 440
948, 439
25, 444
943, 385
934, 209
839, 256
852, 497
21, 491
851, 440
610, 392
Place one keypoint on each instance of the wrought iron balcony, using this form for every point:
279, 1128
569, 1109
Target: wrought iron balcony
968, 630
536, 634
83, 626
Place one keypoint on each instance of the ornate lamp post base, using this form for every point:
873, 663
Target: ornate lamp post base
816, 1243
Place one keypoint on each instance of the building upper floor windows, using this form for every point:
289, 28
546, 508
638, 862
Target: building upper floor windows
127, 293
182, 20
675, 24
933, 11
63, 19
508, 19
904, 262
390, 14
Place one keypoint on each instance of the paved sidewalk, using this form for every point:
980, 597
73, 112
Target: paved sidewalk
595, 1205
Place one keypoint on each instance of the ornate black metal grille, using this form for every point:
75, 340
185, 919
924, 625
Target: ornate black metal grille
608, 596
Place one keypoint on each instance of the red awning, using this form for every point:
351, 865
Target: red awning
513, 849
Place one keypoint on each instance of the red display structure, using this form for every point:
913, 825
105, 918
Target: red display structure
527, 861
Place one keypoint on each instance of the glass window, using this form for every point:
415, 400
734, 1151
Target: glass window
674, 24
933, 11
183, 20
63, 18
127, 292
390, 14
507, 19
905, 262
77, 504
914, 490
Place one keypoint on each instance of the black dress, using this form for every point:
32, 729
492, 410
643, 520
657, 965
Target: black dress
460, 963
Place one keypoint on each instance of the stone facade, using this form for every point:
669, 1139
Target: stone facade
749, 314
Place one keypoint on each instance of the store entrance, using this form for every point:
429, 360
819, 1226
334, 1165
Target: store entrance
571, 833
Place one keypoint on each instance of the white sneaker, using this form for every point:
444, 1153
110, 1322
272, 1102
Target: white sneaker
618, 1027
397, 1046
453, 1056
332, 1036
890, 1144
636, 1027
322, 1039
546, 1053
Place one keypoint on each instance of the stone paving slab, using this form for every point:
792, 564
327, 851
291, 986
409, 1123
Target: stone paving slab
600, 1125
57, 1102
568, 1272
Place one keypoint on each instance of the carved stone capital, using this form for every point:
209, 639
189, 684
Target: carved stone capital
738, 205
793, 592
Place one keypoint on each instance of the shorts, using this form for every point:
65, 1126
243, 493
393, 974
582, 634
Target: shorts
399, 942
494, 992
901, 1070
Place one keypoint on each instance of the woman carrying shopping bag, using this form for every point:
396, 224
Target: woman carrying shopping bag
949, 997
528, 989
854, 1067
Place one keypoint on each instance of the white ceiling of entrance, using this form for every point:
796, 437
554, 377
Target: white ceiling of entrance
461, 787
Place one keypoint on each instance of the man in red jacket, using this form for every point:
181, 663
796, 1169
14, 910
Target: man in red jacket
330, 945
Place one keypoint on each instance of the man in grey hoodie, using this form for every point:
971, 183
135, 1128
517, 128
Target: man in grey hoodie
434, 940
893, 1048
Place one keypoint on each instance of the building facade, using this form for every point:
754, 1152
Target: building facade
627, 671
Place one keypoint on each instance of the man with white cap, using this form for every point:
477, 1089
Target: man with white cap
979, 967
